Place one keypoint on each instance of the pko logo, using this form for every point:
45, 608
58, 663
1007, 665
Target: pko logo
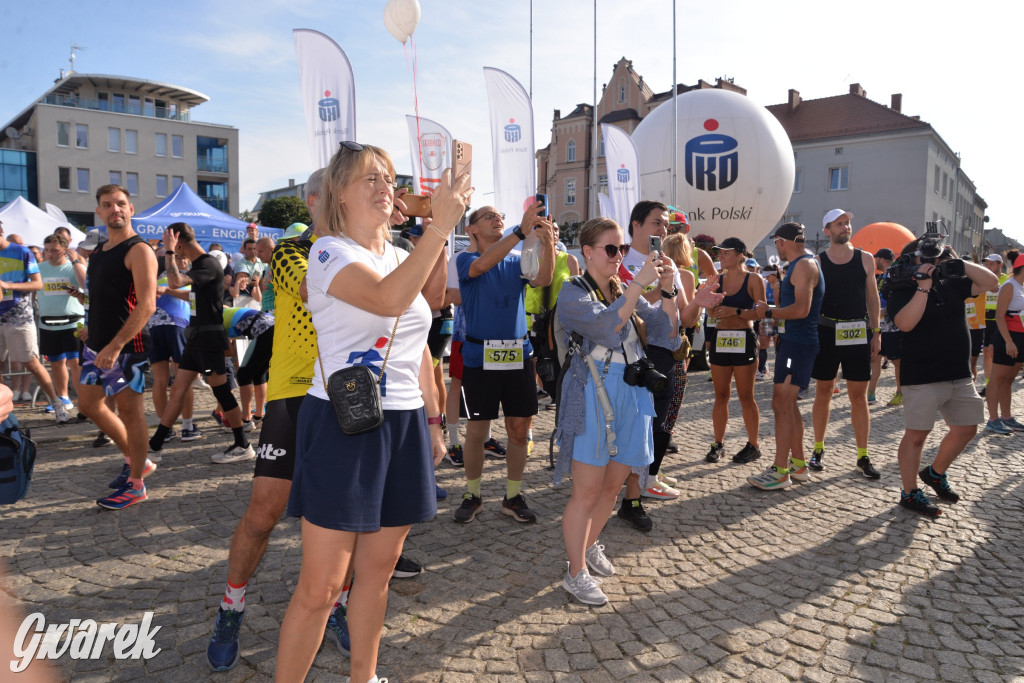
330, 107
622, 174
322, 256
513, 131
712, 160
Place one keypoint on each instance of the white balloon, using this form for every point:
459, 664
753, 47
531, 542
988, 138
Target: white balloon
735, 164
401, 18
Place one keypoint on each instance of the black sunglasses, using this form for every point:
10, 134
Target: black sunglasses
354, 146
612, 249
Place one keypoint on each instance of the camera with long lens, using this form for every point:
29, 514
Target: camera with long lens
642, 373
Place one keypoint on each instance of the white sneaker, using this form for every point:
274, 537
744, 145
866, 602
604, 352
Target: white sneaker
60, 413
248, 426
584, 588
661, 491
200, 383
667, 480
234, 454
598, 561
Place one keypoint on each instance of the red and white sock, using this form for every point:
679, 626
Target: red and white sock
234, 598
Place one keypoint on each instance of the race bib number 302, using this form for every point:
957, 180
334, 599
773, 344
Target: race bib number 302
852, 333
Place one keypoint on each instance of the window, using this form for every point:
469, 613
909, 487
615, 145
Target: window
211, 154
177, 146
132, 183
602, 146
936, 178
602, 183
176, 182
161, 109
113, 139
570, 152
945, 182
134, 104
82, 136
103, 101
64, 178
838, 178
148, 107
161, 144
798, 181
63, 133
83, 180
839, 151
115, 178
131, 141
119, 103
622, 93
161, 186
570, 191
214, 194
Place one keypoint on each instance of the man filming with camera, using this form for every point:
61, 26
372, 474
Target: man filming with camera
926, 302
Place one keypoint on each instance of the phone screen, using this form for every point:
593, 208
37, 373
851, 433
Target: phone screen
656, 244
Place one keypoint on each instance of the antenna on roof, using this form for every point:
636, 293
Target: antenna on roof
71, 59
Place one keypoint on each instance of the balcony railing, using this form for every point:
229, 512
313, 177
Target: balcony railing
211, 165
117, 108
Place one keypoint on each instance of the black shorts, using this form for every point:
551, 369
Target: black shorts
438, 336
255, 369
999, 355
59, 344
855, 360
275, 455
514, 390
204, 353
977, 342
168, 343
747, 356
991, 332
892, 342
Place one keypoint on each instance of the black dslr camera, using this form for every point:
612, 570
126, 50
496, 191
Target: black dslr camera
641, 373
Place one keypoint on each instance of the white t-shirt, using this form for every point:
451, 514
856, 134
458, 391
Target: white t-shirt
348, 336
634, 261
453, 274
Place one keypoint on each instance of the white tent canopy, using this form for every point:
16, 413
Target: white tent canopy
21, 217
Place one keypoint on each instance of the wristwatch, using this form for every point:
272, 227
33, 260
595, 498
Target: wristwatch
518, 232
739, 312
669, 295
768, 313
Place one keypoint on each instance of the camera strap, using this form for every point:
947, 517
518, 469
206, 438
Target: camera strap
595, 375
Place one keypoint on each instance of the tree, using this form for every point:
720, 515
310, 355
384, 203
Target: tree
281, 212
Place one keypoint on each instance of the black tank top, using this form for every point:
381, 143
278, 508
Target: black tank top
740, 299
845, 297
112, 298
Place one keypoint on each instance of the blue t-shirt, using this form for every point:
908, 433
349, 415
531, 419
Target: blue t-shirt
17, 264
494, 305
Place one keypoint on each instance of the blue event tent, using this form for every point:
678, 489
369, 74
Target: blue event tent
210, 224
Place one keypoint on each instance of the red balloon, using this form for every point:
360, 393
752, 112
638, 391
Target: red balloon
878, 235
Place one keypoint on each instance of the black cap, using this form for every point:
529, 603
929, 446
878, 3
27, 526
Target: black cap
885, 253
794, 232
733, 243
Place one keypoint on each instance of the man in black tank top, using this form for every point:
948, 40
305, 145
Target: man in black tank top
848, 336
122, 289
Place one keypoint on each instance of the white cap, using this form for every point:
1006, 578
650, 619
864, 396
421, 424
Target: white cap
833, 215
93, 239
994, 257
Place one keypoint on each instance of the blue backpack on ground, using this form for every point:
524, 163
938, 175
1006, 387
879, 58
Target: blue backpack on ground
17, 459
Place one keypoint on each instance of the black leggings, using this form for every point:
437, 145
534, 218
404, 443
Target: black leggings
255, 371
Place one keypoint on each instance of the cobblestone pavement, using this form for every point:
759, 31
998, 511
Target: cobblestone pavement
826, 580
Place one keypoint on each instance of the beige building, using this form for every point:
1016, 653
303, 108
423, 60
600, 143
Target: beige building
89, 130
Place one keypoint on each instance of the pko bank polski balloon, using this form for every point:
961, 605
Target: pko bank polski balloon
735, 164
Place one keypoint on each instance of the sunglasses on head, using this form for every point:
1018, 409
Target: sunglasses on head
354, 146
612, 250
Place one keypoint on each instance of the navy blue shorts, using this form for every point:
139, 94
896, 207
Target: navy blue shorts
168, 343
383, 478
794, 360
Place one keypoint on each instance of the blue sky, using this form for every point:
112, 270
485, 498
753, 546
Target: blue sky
951, 61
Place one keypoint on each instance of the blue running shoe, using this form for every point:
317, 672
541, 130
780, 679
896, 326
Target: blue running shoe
337, 631
1011, 423
125, 496
493, 449
997, 427
126, 471
222, 653
441, 493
